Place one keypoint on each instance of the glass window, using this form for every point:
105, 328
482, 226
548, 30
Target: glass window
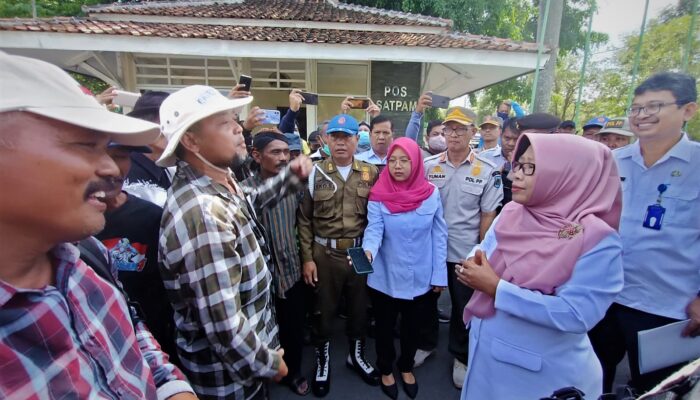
342, 78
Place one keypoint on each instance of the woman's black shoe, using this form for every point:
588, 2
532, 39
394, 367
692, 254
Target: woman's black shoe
411, 389
392, 391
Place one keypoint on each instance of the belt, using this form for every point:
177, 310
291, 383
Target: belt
338, 244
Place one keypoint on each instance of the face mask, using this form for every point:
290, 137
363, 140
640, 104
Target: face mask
503, 115
364, 139
437, 143
326, 149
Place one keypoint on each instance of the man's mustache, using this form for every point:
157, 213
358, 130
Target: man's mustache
111, 186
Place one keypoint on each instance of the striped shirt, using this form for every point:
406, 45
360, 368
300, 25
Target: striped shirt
215, 273
281, 226
75, 340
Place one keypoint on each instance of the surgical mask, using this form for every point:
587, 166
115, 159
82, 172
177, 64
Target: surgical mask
437, 143
326, 149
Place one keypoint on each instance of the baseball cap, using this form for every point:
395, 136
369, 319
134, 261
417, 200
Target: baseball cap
492, 120
343, 123
41, 88
619, 126
538, 121
148, 103
597, 121
294, 141
462, 115
187, 106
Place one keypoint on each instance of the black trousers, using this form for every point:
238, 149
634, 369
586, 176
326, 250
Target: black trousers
429, 327
615, 335
291, 317
459, 335
386, 311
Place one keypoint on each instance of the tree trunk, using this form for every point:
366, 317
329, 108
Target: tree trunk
545, 82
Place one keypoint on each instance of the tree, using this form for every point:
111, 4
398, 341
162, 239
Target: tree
45, 8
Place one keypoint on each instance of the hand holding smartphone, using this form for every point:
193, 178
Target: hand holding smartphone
359, 103
360, 262
440, 101
246, 81
271, 117
309, 98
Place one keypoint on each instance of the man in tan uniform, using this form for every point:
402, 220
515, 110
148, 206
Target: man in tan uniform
332, 218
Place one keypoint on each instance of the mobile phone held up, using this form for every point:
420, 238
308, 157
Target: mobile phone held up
309, 98
271, 117
246, 81
359, 103
125, 99
440, 101
360, 262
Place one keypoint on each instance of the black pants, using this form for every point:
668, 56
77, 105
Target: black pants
460, 295
429, 327
386, 311
291, 317
615, 335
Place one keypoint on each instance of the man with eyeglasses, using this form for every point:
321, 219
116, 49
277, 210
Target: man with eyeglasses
381, 134
471, 191
660, 227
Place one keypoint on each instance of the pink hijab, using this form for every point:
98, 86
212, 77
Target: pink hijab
408, 195
575, 203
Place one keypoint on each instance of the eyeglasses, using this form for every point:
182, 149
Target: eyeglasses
527, 168
461, 131
651, 108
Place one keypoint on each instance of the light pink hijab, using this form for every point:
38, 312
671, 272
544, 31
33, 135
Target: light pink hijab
576, 202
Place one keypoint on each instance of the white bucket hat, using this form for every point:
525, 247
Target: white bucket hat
185, 107
41, 88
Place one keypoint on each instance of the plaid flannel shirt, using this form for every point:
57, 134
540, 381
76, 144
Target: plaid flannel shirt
76, 340
214, 268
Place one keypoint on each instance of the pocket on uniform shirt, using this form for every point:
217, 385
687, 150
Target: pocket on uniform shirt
679, 204
472, 188
512, 354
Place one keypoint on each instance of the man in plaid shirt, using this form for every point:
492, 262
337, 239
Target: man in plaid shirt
212, 250
64, 331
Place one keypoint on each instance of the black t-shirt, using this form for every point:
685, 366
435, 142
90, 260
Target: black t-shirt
131, 235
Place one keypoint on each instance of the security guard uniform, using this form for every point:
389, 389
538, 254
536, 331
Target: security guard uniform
331, 219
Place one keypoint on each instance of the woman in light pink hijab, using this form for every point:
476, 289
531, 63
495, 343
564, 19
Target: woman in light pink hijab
546, 272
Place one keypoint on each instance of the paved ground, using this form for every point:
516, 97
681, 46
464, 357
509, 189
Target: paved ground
434, 377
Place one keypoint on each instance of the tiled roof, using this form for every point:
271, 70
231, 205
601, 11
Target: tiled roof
288, 10
263, 34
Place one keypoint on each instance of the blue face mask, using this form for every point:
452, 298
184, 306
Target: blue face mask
503, 115
363, 140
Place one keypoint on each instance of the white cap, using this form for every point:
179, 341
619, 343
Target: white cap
41, 88
185, 107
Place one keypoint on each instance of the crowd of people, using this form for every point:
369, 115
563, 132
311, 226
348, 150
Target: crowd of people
179, 252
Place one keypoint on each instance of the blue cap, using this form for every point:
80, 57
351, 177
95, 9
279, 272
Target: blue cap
294, 141
597, 121
343, 123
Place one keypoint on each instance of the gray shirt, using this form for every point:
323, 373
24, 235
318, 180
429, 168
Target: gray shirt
466, 190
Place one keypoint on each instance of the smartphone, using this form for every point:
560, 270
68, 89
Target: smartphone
359, 261
271, 117
440, 101
359, 103
310, 98
246, 81
125, 99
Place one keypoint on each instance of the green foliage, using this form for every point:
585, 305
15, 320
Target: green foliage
44, 8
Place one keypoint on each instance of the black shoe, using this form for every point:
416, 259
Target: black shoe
356, 361
392, 391
321, 383
411, 389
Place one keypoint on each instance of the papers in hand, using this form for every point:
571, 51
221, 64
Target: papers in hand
664, 346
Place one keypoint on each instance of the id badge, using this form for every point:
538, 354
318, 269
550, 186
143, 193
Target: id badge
654, 217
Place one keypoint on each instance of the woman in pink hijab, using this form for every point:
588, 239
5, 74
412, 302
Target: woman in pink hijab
546, 272
406, 241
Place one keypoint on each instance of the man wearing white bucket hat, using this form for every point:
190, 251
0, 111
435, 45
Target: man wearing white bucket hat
212, 250
65, 332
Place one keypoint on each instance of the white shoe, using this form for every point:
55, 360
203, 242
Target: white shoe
420, 357
459, 371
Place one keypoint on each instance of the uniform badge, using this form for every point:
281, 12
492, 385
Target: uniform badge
330, 167
436, 172
497, 179
365, 174
476, 170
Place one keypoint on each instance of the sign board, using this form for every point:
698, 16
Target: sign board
395, 89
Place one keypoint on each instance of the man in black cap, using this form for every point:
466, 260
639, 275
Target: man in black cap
131, 237
567, 126
145, 179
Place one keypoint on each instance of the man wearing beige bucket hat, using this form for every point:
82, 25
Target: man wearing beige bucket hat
212, 249
65, 332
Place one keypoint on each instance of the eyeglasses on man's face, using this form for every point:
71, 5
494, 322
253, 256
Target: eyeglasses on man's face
460, 131
527, 168
651, 108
